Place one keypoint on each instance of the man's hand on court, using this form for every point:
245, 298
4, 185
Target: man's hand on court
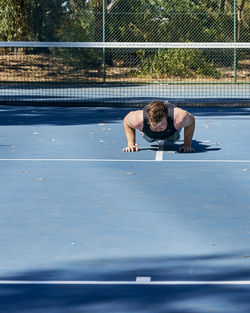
186, 149
131, 148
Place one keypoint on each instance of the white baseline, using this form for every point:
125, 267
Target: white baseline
124, 160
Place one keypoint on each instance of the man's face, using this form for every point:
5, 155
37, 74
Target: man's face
159, 127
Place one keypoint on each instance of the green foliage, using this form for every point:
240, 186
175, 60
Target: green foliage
131, 21
46, 19
78, 25
51, 20
176, 62
30, 19
186, 20
77, 22
126, 20
13, 20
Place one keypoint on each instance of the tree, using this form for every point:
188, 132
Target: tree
30, 19
240, 8
46, 19
13, 20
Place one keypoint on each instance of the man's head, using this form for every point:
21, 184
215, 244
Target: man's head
157, 114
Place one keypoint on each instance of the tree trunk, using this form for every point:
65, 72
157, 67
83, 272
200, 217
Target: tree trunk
38, 21
98, 18
21, 20
240, 8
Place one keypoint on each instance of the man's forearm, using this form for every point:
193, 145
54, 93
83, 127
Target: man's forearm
130, 134
188, 133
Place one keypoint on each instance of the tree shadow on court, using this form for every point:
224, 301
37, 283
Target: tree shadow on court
62, 116
73, 298
69, 115
223, 112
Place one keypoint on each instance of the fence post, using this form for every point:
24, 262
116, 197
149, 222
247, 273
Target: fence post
235, 40
104, 38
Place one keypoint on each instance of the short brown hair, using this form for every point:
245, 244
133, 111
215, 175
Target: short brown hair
156, 111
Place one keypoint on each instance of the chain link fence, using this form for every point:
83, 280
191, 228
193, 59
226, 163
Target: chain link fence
126, 21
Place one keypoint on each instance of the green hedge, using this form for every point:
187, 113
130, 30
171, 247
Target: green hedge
176, 62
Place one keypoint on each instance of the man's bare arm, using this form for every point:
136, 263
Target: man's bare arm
130, 133
188, 135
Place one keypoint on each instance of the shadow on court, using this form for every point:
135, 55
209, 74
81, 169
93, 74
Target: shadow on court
19, 115
133, 298
220, 112
199, 147
32, 115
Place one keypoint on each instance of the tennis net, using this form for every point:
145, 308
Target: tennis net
124, 73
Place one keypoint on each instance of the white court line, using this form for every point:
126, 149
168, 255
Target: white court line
159, 152
123, 160
166, 283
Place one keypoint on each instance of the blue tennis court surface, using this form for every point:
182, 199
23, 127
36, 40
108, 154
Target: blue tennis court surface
86, 227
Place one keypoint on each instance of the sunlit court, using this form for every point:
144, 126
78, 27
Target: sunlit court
96, 215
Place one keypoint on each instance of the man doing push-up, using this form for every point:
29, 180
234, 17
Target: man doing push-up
159, 121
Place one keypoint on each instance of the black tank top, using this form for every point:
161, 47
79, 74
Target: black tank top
169, 131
